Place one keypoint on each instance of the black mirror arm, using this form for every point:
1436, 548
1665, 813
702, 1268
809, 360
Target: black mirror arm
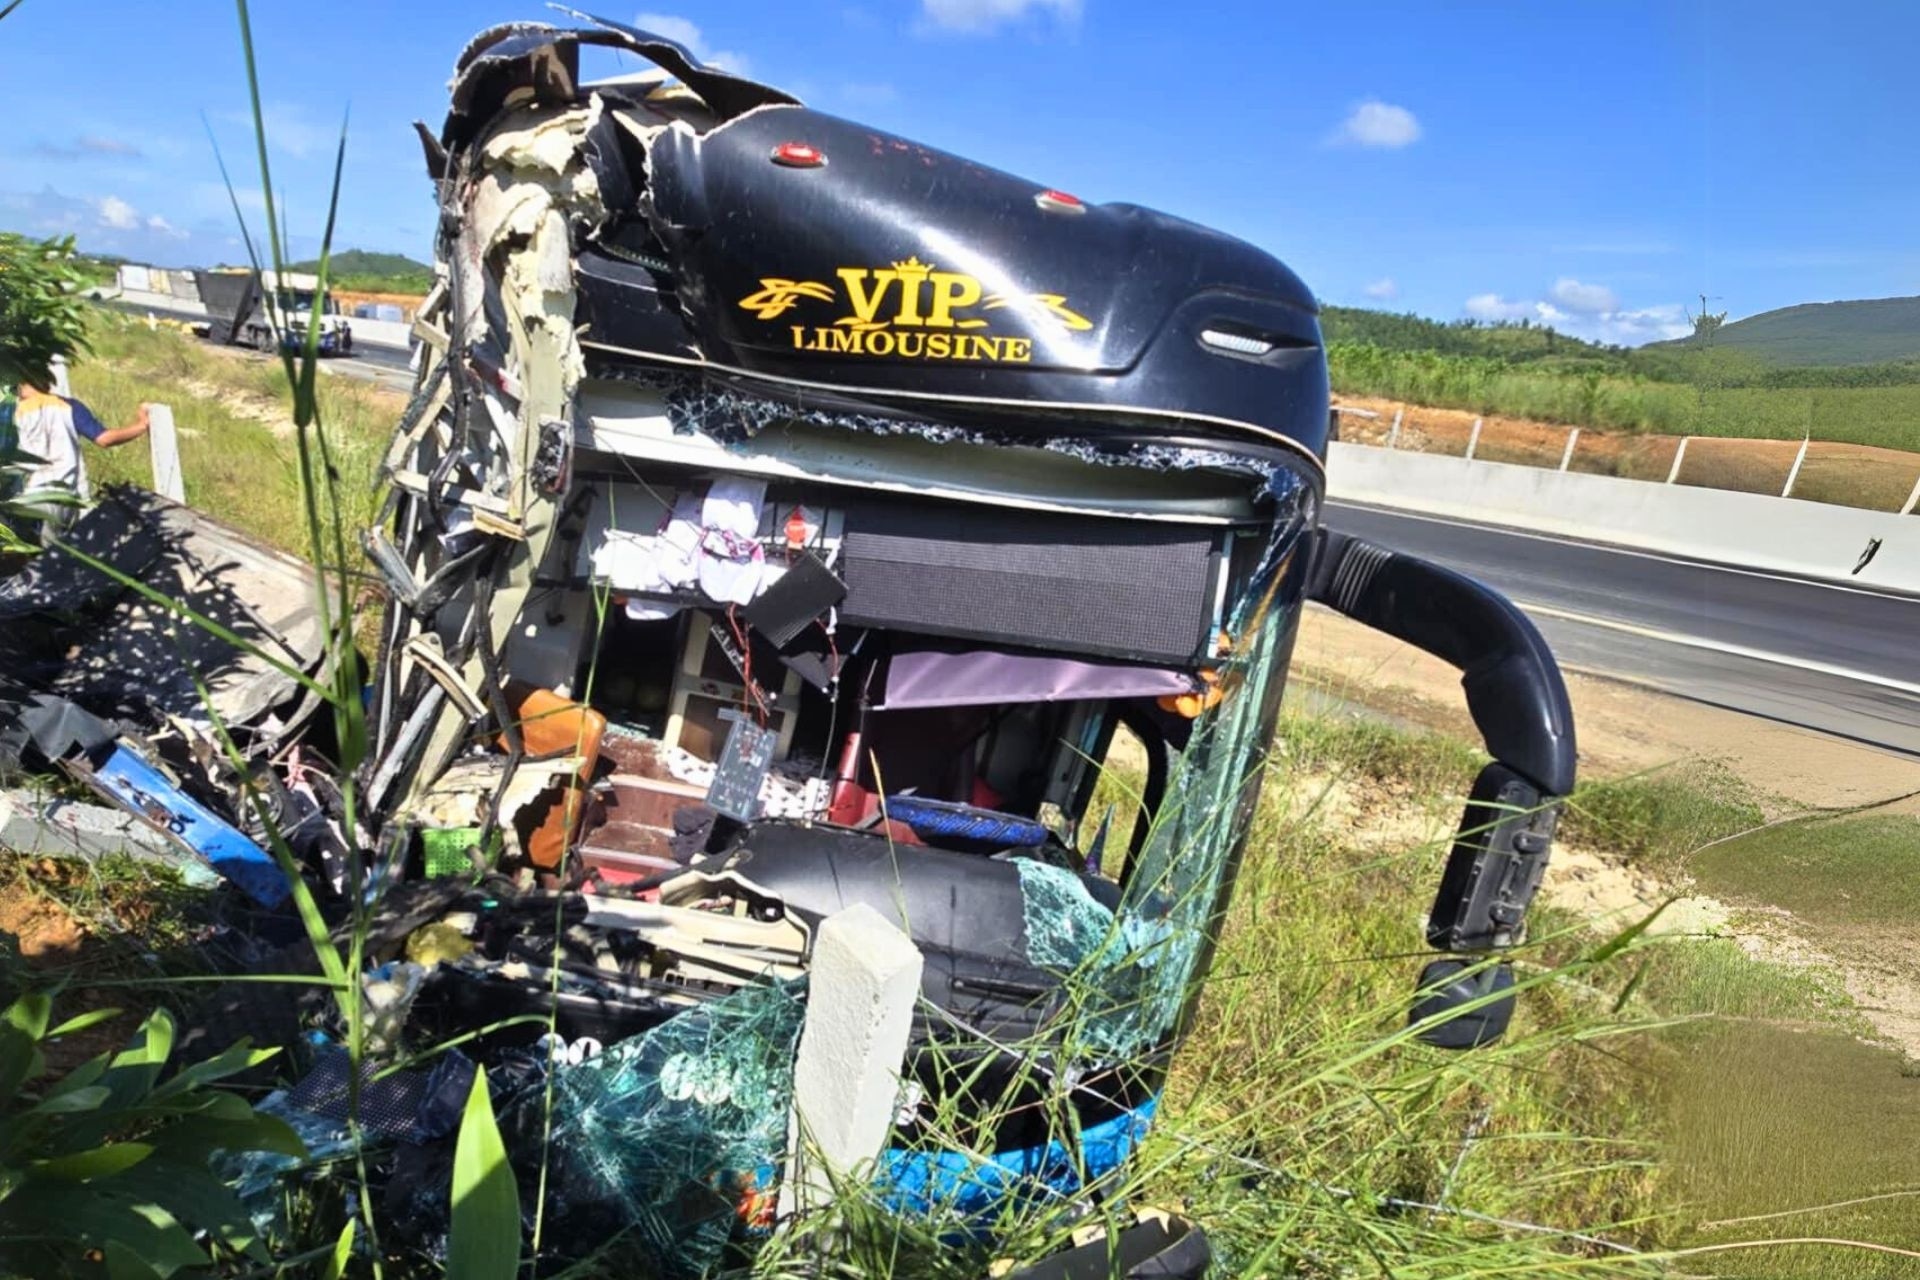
1518, 701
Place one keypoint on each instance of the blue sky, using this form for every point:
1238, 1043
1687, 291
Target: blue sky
1593, 165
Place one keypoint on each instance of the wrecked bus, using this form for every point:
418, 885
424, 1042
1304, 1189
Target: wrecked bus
794, 516
789, 516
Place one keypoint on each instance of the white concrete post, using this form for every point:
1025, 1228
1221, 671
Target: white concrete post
1794, 474
1393, 436
58, 366
163, 441
1573, 436
1913, 500
1473, 440
1678, 456
861, 989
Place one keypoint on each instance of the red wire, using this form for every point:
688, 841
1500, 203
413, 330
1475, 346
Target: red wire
750, 699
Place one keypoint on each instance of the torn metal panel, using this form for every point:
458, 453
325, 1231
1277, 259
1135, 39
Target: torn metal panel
79, 633
150, 795
32, 824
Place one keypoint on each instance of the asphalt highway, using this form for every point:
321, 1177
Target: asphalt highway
1843, 660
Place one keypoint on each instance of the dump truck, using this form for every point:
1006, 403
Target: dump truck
241, 313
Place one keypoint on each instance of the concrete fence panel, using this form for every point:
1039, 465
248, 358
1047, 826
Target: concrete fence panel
1808, 539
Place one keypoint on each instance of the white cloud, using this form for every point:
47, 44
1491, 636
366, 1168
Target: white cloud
111, 224
1379, 124
685, 31
105, 146
1491, 306
1613, 325
978, 17
117, 213
1587, 299
1384, 289
1648, 324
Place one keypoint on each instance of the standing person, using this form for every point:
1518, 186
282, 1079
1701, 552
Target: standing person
50, 427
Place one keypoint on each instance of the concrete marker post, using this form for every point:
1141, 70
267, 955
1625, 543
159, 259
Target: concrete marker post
862, 985
1794, 474
1913, 499
58, 367
1573, 438
1393, 435
1473, 439
1679, 456
163, 443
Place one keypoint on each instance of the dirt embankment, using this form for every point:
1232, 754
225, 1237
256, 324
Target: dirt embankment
1844, 474
1627, 730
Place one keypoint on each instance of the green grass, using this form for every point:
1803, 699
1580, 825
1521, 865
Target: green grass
1662, 816
1770, 1122
1621, 397
234, 465
1832, 873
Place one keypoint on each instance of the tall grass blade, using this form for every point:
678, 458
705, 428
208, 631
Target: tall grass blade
484, 1243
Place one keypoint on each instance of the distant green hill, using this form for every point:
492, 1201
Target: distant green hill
374, 272
1871, 331
1517, 342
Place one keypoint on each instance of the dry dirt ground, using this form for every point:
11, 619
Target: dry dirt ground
1849, 474
1624, 729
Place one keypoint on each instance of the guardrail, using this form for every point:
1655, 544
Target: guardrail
1806, 539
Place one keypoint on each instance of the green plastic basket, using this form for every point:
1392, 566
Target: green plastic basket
444, 851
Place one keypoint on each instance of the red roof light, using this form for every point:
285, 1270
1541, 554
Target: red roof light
1059, 202
799, 155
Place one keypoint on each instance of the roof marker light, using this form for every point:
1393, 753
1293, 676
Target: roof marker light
799, 155
1059, 202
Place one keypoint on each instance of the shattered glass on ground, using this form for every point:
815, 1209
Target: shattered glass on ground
670, 1139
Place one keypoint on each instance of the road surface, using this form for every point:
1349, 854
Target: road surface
1840, 659
385, 367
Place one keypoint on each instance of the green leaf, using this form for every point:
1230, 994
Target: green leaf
193, 1196
101, 1162
92, 1217
342, 1250
484, 1243
92, 1018
238, 1057
124, 1264
82, 1076
29, 1014
136, 1069
68, 1101
20, 1060
198, 1137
